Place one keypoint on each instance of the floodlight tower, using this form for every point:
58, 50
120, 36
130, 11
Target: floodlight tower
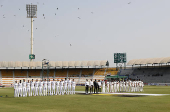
31, 13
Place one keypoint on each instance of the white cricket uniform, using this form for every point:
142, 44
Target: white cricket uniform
32, 88
73, 87
123, 85
16, 90
28, 89
53, 87
41, 88
61, 88
107, 89
103, 86
20, 89
24, 89
36, 88
111, 86
69, 86
142, 84
115, 86
49, 88
57, 87
45, 88
118, 84
65, 86
130, 86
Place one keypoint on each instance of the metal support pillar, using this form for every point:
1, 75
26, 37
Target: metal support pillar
31, 37
105, 71
54, 74
93, 73
13, 77
67, 73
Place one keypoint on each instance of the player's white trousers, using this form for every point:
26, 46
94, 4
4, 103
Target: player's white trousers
115, 88
73, 89
16, 92
69, 89
32, 91
40, 91
45, 91
65, 89
24, 91
53, 90
111, 88
107, 89
57, 90
36, 91
61, 90
28, 92
20, 92
103, 89
49, 90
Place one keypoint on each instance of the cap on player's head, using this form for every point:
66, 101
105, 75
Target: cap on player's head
28, 81
32, 79
45, 79
53, 79
73, 79
20, 81
65, 78
16, 81
48, 79
91, 79
86, 79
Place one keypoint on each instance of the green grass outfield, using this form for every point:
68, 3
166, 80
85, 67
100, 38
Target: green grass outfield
87, 103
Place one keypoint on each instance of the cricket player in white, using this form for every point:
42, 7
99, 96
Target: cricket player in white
20, 89
57, 87
123, 85
61, 87
36, 87
53, 87
41, 88
130, 86
16, 89
114, 85
28, 88
69, 86
32, 88
65, 85
118, 84
45, 87
111, 86
103, 86
142, 84
24, 88
49, 87
73, 86
107, 85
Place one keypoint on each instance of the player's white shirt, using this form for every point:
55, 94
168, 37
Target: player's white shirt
99, 83
45, 83
41, 84
32, 84
130, 83
107, 84
23, 84
115, 83
69, 82
140, 83
57, 83
65, 83
133, 83
73, 84
20, 85
127, 83
16, 86
110, 83
61, 83
36, 84
49, 83
91, 83
103, 83
120, 83
28, 84
53, 83
87, 83
123, 83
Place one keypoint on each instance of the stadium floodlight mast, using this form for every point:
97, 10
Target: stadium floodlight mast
31, 13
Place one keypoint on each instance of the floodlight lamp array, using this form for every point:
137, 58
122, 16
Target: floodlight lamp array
31, 11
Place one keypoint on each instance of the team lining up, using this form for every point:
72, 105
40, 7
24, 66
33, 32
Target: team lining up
114, 86
44, 88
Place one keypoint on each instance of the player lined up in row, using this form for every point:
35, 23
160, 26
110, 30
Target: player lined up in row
114, 86
44, 88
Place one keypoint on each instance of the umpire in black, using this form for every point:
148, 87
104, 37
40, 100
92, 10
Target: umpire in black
95, 86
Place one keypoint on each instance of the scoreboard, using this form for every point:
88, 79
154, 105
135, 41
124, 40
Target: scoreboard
119, 57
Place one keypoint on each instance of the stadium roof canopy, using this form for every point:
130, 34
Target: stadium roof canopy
149, 61
53, 64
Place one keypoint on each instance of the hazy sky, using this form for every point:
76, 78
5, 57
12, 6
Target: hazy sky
141, 29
